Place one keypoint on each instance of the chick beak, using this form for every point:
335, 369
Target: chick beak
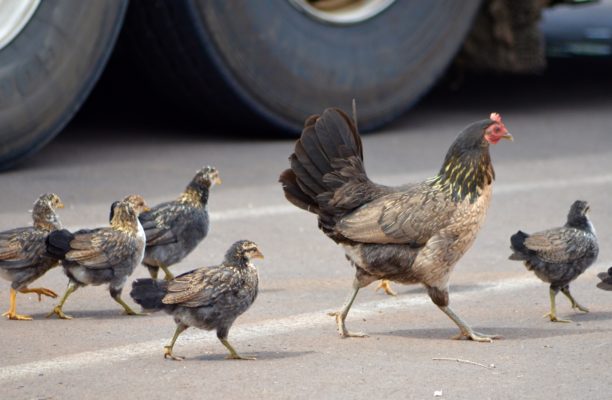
60, 205
146, 209
508, 136
257, 254
218, 180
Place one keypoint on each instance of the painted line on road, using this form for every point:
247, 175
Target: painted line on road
499, 189
193, 340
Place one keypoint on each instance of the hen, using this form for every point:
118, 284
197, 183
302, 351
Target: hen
606, 280
23, 254
559, 255
103, 255
410, 234
207, 298
175, 228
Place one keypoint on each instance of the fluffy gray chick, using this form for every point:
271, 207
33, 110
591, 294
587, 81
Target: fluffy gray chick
175, 228
206, 298
559, 255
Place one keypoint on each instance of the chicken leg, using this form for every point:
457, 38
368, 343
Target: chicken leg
58, 309
553, 309
12, 311
116, 295
466, 331
341, 315
575, 304
40, 292
180, 328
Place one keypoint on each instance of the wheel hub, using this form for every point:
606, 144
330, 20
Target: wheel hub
342, 12
14, 16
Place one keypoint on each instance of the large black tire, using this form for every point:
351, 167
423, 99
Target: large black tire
242, 58
48, 70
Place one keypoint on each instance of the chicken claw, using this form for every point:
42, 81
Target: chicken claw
16, 317
344, 333
40, 292
168, 354
57, 310
384, 285
553, 317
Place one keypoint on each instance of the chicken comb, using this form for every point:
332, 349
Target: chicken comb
495, 117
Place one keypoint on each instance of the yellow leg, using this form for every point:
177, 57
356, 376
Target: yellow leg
233, 355
575, 304
466, 331
12, 312
169, 275
40, 292
126, 307
384, 285
57, 310
553, 309
341, 315
180, 328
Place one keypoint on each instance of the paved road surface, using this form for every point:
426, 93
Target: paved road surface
562, 152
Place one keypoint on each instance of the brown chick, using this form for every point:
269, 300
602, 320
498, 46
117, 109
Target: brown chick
410, 234
23, 254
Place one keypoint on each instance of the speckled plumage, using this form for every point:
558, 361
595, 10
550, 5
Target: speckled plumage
175, 228
410, 234
102, 255
23, 254
559, 255
206, 298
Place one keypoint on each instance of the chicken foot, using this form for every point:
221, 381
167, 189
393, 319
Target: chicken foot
12, 311
384, 285
466, 331
116, 295
553, 308
180, 328
341, 315
575, 304
40, 292
58, 309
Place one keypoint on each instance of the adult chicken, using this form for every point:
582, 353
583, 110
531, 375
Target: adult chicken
559, 255
410, 234
23, 254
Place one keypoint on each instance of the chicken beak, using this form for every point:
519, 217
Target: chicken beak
60, 205
218, 181
257, 254
146, 209
508, 136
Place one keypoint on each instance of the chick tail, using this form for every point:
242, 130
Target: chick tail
517, 245
327, 158
58, 243
148, 293
606, 280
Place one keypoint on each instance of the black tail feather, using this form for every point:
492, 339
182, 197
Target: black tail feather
148, 293
517, 244
327, 156
58, 243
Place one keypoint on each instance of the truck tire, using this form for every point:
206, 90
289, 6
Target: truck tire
240, 60
48, 69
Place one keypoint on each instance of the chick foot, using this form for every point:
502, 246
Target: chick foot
233, 355
553, 317
168, 354
345, 333
384, 285
239, 357
40, 292
476, 336
16, 317
579, 307
60, 314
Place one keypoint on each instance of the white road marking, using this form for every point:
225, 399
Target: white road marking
195, 338
499, 189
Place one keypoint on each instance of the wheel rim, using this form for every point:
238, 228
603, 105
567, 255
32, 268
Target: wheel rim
342, 12
14, 16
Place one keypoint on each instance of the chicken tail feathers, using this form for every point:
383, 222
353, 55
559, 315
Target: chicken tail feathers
606, 280
328, 158
148, 293
58, 243
517, 244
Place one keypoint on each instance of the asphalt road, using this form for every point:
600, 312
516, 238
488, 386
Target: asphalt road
562, 152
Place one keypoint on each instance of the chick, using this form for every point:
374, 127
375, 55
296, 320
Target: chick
606, 280
559, 255
175, 228
102, 255
23, 255
206, 298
